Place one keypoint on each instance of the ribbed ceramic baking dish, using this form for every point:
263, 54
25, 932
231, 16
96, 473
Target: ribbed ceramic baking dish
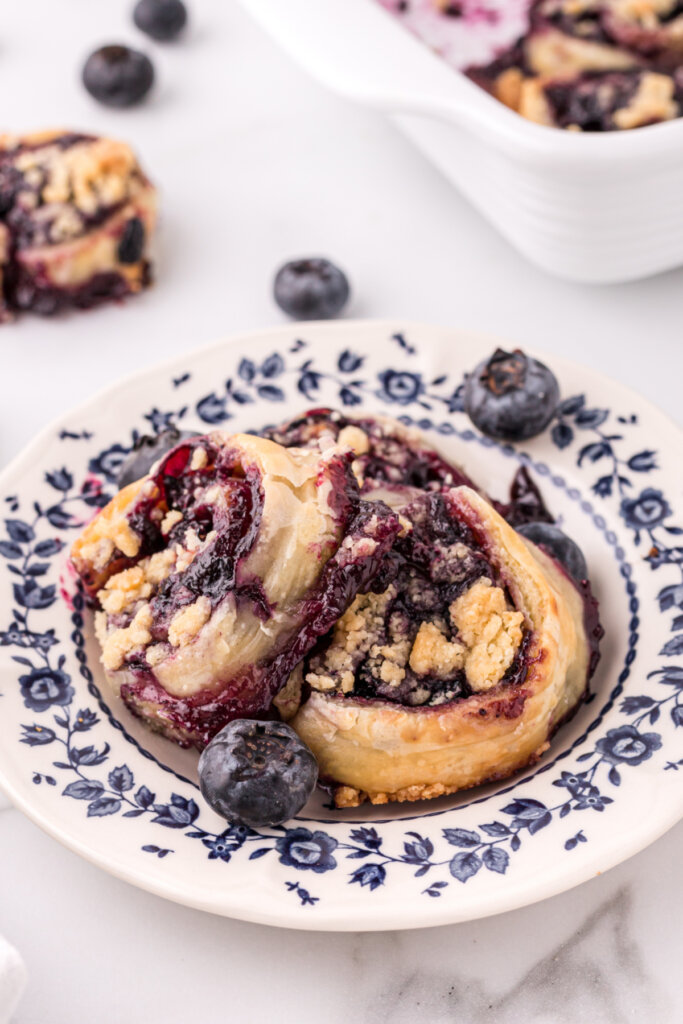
591, 208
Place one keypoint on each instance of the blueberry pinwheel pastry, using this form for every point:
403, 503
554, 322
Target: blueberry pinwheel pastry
77, 214
594, 65
469, 651
216, 573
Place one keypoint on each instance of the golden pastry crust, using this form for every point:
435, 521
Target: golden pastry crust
381, 751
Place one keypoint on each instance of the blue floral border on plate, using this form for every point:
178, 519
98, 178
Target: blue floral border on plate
46, 685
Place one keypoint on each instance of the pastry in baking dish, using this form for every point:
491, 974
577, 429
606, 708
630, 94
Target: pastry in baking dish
594, 65
216, 574
77, 217
456, 668
583, 65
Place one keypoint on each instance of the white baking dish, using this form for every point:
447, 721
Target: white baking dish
592, 208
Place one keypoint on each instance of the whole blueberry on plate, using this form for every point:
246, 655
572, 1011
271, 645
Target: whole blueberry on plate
160, 19
147, 450
559, 546
511, 396
118, 76
257, 773
311, 289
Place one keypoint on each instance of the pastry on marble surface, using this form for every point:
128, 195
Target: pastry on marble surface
458, 669
217, 573
77, 215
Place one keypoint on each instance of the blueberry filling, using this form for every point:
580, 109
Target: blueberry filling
132, 243
390, 458
526, 504
591, 101
588, 25
430, 568
213, 573
29, 290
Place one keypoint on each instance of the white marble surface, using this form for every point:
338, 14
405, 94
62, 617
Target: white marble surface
256, 164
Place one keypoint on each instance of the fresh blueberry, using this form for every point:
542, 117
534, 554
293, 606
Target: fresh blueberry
558, 545
311, 289
160, 19
257, 773
147, 450
118, 76
511, 396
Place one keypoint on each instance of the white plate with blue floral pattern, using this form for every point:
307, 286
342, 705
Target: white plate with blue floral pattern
80, 766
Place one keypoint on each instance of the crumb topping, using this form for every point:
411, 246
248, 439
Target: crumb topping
155, 654
124, 589
170, 520
91, 174
389, 661
159, 566
187, 553
199, 459
119, 644
438, 631
353, 636
119, 537
355, 439
489, 630
396, 645
100, 552
652, 101
188, 621
358, 547
434, 654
